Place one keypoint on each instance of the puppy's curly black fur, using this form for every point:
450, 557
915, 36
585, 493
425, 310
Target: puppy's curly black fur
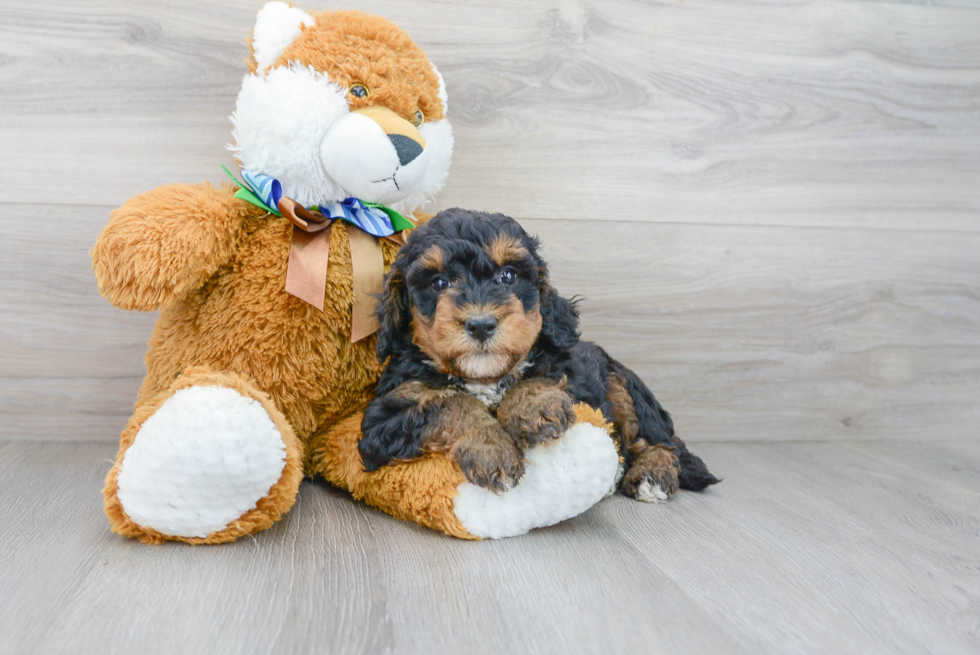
484, 358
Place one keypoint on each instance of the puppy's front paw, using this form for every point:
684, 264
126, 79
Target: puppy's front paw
652, 477
536, 412
490, 458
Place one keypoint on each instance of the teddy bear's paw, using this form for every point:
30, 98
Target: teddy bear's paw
201, 461
562, 479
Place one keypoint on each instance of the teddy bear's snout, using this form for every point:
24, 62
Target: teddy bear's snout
375, 155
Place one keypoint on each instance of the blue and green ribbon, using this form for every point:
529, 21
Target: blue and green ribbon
374, 218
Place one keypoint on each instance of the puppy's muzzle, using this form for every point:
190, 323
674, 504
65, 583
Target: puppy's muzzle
481, 327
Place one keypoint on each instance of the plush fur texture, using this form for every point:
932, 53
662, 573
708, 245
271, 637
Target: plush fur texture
468, 302
240, 321
295, 112
562, 479
276, 133
276, 26
162, 245
215, 266
266, 511
206, 457
432, 491
423, 490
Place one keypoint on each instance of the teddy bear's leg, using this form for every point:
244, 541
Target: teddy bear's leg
206, 461
562, 479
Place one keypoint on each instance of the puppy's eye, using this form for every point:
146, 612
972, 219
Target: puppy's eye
507, 276
359, 91
418, 118
439, 283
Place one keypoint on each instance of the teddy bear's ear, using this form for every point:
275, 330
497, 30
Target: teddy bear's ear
276, 26
442, 90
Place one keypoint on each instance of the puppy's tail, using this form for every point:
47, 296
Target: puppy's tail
656, 427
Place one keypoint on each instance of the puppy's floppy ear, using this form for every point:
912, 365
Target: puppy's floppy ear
394, 314
559, 316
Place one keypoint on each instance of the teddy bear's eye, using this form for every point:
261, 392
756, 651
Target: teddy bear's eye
418, 117
359, 91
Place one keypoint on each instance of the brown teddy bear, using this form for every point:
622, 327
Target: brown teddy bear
263, 356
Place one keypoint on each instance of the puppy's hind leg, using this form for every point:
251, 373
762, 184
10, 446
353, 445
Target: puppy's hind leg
660, 462
653, 475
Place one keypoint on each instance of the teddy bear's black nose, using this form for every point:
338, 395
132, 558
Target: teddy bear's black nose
406, 148
481, 328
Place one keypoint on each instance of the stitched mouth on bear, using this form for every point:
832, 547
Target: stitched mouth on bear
375, 155
389, 179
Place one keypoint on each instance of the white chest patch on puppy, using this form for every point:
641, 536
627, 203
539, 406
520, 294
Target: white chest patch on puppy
489, 394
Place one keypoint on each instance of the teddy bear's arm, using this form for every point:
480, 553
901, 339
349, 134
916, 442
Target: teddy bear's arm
161, 245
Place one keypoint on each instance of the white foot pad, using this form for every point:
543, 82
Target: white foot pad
561, 480
206, 457
650, 492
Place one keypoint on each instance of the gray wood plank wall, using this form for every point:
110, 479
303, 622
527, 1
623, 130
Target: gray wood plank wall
771, 209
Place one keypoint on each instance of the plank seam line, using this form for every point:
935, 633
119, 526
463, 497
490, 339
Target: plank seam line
836, 228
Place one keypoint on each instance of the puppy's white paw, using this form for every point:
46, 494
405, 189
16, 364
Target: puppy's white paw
206, 457
650, 492
562, 479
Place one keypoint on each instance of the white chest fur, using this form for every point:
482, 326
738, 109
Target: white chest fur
489, 394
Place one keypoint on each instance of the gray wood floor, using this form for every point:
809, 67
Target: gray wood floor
771, 210
844, 547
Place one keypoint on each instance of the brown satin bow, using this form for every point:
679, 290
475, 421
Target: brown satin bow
309, 253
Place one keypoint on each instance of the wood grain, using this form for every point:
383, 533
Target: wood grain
804, 548
744, 333
837, 113
770, 210
784, 333
837, 120
856, 547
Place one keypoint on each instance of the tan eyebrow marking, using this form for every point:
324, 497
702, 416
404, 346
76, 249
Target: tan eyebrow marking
432, 258
506, 248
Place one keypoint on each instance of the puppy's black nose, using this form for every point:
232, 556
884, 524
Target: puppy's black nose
481, 328
406, 148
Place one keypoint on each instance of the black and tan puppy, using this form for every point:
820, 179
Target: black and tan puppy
485, 359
